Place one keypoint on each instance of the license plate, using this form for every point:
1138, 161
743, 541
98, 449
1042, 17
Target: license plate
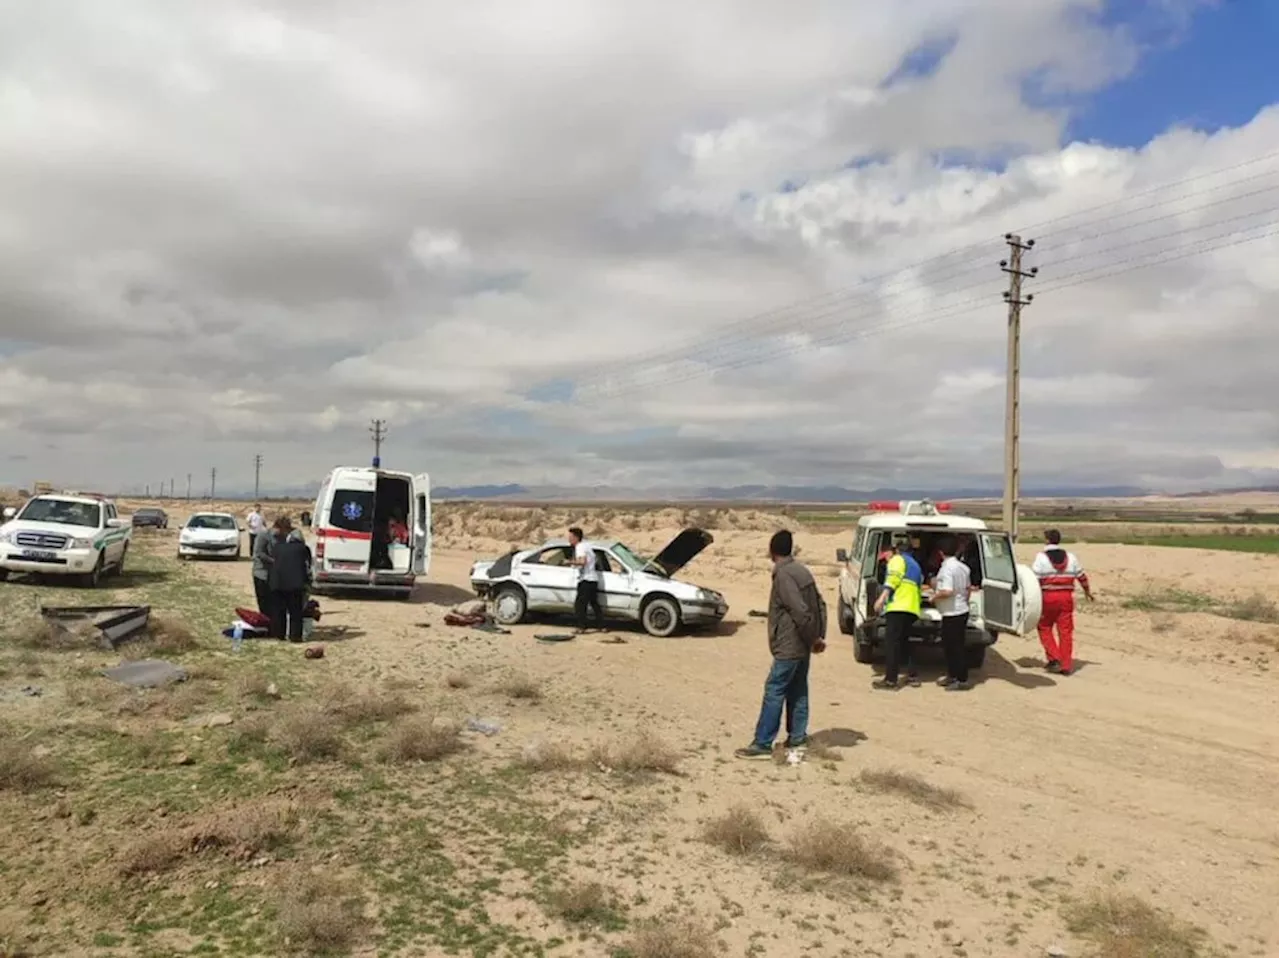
39, 556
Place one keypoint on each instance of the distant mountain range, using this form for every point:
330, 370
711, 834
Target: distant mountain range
760, 493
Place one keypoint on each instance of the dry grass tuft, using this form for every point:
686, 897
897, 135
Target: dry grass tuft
255, 687
422, 739
458, 680
549, 757
1254, 608
913, 787
239, 832
307, 734
584, 903
739, 831
521, 687
645, 752
169, 635
1124, 926
317, 917
839, 849
20, 769
1162, 622
674, 938
361, 706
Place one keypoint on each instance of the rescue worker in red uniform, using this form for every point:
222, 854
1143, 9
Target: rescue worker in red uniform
1059, 571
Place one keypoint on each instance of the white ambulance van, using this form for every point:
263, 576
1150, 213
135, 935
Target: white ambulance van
371, 531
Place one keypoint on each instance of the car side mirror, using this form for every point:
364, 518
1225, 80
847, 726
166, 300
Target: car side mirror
115, 523
842, 556
10, 512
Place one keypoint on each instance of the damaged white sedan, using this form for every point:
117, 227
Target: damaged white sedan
633, 589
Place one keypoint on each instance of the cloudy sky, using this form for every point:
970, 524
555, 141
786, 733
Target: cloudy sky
664, 244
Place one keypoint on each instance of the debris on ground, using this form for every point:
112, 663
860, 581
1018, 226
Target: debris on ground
484, 726
457, 618
32, 691
613, 640
314, 652
469, 608
553, 637
106, 626
491, 628
757, 614
212, 720
273, 690
146, 673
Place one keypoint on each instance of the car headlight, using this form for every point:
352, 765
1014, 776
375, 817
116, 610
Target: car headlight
81, 543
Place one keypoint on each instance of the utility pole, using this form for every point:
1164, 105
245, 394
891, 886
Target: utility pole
257, 473
378, 429
188, 487
1013, 374
172, 494
213, 483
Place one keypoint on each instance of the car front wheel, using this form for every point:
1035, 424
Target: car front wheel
509, 605
661, 617
975, 655
95, 577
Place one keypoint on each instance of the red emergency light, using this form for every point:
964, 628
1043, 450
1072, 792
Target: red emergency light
942, 506
884, 506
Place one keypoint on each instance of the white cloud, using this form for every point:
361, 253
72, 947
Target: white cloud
252, 227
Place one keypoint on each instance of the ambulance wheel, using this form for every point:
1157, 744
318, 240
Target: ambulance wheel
845, 617
975, 655
863, 652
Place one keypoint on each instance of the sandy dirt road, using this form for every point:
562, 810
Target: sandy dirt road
1153, 770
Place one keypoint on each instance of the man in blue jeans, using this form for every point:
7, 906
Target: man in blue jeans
797, 627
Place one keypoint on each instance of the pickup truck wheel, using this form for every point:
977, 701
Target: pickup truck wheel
660, 617
509, 605
119, 569
975, 655
863, 652
94, 578
4, 574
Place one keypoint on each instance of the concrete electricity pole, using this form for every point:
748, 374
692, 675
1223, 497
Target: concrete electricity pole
1013, 402
188, 487
378, 429
213, 483
257, 473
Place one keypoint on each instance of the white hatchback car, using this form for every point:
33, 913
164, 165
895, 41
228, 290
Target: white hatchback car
208, 535
543, 580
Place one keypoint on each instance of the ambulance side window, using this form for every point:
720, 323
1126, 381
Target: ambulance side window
871, 554
859, 540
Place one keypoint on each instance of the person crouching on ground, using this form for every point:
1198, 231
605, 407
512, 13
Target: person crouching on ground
899, 603
588, 597
797, 629
290, 577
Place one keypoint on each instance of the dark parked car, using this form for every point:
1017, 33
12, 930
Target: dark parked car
153, 518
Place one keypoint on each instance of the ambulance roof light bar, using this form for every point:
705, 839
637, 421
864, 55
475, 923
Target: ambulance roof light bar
910, 507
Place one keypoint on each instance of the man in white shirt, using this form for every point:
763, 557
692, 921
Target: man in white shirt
588, 596
951, 598
255, 524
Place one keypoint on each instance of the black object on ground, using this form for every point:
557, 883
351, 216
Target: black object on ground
491, 628
757, 614
146, 673
114, 624
554, 637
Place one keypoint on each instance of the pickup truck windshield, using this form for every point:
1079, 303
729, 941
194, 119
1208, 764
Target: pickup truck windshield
61, 511
212, 522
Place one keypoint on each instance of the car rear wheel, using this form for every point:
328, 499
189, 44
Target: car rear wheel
509, 605
661, 617
863, 652
845, 617
975, 655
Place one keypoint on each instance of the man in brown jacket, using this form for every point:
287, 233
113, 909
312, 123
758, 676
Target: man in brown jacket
797, 629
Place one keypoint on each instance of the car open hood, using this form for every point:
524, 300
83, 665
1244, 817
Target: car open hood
680, 551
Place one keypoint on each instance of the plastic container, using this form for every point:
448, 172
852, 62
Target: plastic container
237, 637
308, 627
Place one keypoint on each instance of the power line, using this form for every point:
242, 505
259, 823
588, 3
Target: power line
834, 299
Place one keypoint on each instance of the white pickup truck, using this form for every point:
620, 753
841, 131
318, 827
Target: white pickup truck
62, 534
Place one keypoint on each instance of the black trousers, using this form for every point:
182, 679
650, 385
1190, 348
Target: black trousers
288, 607
897, 645
953, 629
262, 592
588, 598
253, 538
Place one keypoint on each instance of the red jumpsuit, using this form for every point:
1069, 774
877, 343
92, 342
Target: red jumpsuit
1059, 571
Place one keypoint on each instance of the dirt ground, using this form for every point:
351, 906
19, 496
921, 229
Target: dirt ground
1153, 770
1148, 777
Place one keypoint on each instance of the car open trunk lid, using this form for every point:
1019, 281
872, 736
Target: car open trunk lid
680, 551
